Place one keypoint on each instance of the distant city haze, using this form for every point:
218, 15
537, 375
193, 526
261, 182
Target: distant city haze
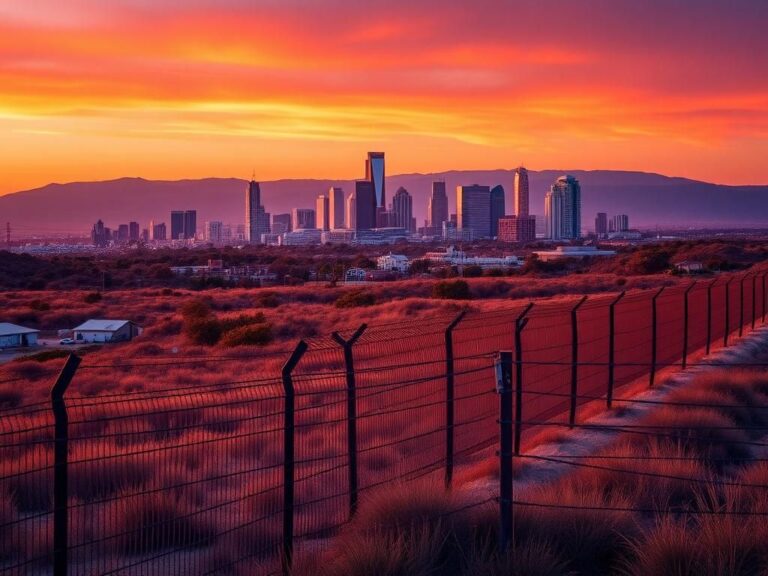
649, 199
299, 88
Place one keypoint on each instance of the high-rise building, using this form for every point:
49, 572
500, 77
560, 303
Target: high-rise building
99, 234
365, 205
281, 223
322, 212
375, 174
133, 231
336, 208
562, 208
601, 224
190, 224
437, 210
350, 219
256, 217
517, 229
214, 232
123, 233
402, 209
473, 210
177, 225
157, 231
619, 223
521, 192
498, 208
145, 235
303, 219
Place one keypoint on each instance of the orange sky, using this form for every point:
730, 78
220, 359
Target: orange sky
93, 90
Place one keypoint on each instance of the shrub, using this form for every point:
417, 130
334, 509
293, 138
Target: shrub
355, 299
451, 290
267, 300
44, 356
40, 305
92, 298
251, 335
203, 331
473, 271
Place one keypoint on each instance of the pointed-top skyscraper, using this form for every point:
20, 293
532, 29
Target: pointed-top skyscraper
256, 218
375, 174
521, 192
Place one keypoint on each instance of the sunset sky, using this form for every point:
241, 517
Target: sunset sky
93, 90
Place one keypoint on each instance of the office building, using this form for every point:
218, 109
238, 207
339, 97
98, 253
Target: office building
517, 229
157, 231
619, 223
452, 233
365, 205
190, 224
302, 237
256, 217
437, 210
402, 210
145, 235
177, 225
322, 212
281, 223
473, 205
303, 219
99, 234
375, 174
336, 208
214, 232
562, 209
497, 209
521, 192
601, 224
350, 218
133, 231
123, 233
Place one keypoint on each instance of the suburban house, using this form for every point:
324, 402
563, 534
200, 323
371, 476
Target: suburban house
106, 331
13, 336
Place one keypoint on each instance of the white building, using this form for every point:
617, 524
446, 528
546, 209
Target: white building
338, 236
355, 275
454, 257
13, 336
572, 252
393, 263
302, 237
106, 331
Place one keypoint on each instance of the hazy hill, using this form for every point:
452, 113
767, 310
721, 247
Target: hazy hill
649, 199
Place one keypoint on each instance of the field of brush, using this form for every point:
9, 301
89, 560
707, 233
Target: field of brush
682, 491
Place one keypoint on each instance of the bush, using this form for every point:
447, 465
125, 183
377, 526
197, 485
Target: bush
267, 300
251, 335
355, 299
473, 272
92, 298
451, 290
40, 305
44, 356
203, 331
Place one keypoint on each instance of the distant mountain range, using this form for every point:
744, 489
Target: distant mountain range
648, 199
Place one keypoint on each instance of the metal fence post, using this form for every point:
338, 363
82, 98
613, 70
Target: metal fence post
754, 298
709, 315
654, 338
349, 368
612, 347
449, 398
741, 305
727, 311
574, 360
685, 324
520, 323
289, 455
504, 389
61, 465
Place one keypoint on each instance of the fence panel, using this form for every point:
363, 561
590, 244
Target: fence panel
670, 329
697, 321
594, 343
633, 337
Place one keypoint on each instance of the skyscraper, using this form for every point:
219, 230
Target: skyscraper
256, 217
365, 205
336, 208
190, 224
601, 224
322, 212
177, 225
521, 192
437, 211
473, 207
158, 231
375, 174
562, 206
402, 207
497, 208
619, 223
304, 219
350, 219
133, 231
214, 232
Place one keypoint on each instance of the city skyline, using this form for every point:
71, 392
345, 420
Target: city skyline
100, 93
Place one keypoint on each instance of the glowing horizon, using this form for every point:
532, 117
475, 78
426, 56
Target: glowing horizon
303, 89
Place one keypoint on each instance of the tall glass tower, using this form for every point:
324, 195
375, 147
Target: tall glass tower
374, 173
